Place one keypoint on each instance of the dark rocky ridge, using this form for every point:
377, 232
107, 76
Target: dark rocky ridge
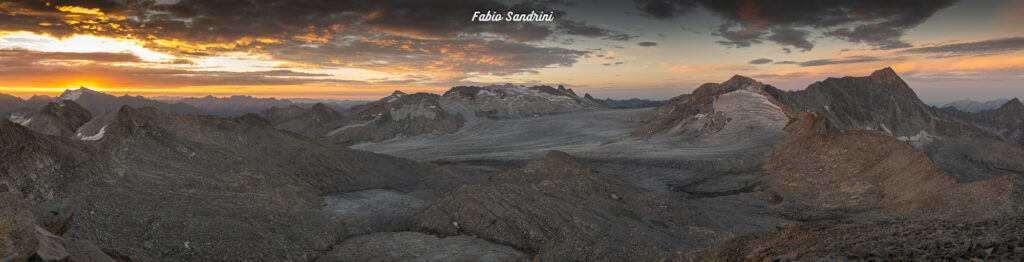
1007, 121
59, 118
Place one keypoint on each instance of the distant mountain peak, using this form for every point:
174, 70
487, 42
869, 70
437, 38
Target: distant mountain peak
741, 79
74, 94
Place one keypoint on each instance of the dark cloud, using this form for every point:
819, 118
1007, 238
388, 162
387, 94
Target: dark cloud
664, 9
647, 44
737, 37
14, 57
450, 56
760, 61
791, 37
571, 27
847, 60
988, 46
620, 37
786, 63
878, 23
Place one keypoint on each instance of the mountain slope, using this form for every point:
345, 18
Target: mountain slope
399, 114
735, 105
512, 101
314, 122
971, 106
165, 186
883, 102
559, 210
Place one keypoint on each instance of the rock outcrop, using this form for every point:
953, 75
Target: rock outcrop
990, 240
818, 174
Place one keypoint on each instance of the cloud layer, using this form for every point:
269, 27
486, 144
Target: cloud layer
878, 23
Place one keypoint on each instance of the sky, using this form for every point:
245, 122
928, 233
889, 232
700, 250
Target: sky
945, 50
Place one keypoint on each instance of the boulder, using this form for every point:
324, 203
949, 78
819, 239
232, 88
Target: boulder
51, 247
56, 216
17, 234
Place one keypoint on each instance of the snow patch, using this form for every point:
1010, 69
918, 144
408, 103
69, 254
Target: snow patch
335, 131
72, 94
17, 118
26, 122
97, 136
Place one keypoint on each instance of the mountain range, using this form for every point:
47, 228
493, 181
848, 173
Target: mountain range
849, 168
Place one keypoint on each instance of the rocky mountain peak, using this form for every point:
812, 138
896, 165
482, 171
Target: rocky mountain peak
885, 74
739, 81
1012, 105
59, 118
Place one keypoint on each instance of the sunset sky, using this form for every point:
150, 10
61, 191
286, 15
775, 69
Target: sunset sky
364, 49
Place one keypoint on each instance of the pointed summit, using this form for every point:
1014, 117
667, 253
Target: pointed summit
886, 75
1013, 104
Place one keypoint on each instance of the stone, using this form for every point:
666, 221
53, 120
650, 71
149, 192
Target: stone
17, 231
51, 247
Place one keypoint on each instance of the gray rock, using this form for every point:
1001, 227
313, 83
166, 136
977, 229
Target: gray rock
17, 229
51, 247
